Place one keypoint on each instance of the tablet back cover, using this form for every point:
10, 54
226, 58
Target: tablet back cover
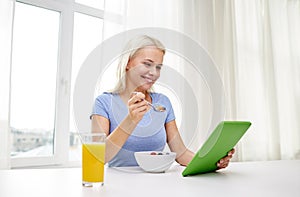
219, 143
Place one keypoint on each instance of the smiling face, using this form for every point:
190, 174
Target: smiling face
143, 69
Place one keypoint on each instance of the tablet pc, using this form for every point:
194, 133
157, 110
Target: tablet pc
218, 144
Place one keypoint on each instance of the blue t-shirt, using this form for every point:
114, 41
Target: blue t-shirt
150, 133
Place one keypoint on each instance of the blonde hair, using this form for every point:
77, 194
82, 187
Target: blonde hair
129, 51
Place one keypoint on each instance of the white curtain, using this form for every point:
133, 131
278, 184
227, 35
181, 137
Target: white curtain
6, 20
256, 47
267, 73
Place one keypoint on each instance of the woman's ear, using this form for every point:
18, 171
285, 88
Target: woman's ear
127, 66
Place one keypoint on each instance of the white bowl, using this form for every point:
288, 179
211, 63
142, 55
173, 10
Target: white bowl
155, 161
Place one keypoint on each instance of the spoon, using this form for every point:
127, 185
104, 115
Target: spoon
156, 107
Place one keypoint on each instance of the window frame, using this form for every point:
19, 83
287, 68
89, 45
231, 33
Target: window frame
66, 8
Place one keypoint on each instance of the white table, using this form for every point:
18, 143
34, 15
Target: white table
271, 178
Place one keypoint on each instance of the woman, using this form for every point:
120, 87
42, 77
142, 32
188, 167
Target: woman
125, 115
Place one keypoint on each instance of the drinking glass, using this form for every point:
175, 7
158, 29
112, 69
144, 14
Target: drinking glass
93, 158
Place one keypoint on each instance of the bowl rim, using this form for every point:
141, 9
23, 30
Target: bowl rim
164, 153
165, 160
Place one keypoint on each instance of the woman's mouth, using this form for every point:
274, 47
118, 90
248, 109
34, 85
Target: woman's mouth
148, 79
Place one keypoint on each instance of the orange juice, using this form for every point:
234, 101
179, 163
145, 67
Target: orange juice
93, 162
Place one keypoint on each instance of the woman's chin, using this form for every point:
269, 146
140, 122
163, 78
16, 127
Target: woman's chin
144, 87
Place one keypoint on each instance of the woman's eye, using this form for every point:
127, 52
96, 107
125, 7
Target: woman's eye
158, 67
147, 64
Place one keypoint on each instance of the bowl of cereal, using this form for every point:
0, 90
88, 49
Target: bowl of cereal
155, 161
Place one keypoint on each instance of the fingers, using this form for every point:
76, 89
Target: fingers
230, 153
138, 95
137, 106
224, 162
137, 100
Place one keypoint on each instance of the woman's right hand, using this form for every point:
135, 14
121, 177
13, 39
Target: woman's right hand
137, 106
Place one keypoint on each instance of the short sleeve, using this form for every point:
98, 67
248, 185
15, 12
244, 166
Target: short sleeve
170, 111
165, 101
102, 105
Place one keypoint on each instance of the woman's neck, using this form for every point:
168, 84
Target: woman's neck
127, 94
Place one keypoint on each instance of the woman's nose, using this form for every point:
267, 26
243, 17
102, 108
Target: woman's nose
152, 70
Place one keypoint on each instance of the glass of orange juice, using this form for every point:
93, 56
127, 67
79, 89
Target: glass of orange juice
93, 158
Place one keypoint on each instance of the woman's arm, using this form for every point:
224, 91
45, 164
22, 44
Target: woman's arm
175, 142
117, 138
137, 107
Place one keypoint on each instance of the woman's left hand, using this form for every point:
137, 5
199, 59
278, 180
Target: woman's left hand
224, 162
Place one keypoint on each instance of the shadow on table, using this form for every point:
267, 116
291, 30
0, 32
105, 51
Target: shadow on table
223, 174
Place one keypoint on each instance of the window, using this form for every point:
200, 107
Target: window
87, 35
33, 81
99, 4
45, 35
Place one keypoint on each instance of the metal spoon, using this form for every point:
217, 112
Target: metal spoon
157, 107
